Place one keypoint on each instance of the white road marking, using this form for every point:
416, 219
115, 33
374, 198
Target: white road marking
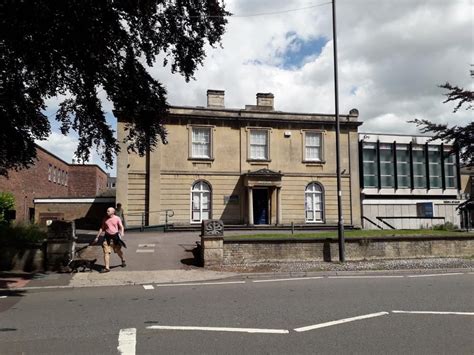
145, 250
220, 329
290, 279
434, 312
127, 341
431, 275
3, 296
202, 284
340, 321
367, 277
148, 287
146, 245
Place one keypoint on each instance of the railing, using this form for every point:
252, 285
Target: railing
145, 218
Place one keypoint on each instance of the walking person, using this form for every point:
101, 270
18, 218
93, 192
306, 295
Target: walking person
120, 213
112, 228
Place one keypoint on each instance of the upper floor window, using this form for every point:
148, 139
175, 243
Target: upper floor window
201, 142
403, 166
450, 169
65, 179
419, 167
313, 146
55, 172
386, 165
434, 162
369, 161
50, 172
259, 144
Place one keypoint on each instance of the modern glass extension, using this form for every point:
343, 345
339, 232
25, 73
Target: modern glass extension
408, 166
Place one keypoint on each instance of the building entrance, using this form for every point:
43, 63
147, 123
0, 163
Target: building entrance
260, 206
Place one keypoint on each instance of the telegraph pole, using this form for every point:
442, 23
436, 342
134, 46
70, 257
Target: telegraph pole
340, 221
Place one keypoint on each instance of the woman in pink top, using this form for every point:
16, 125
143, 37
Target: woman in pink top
111, 226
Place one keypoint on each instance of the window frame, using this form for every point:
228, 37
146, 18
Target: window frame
419, 148
322, 211
201, 192
400, 147
375, 162
391, 162
447, 162
211, 129
268, 131
321, 159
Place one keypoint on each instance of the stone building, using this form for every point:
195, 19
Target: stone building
408, 182
51, 177
251, 166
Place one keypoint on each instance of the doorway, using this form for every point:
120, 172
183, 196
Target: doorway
260, 206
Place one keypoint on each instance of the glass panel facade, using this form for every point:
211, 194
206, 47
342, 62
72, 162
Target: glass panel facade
259, 144
313, 146
450, 169
419, 167
201, 142
386, 165
369, 161
434, 161
403, 166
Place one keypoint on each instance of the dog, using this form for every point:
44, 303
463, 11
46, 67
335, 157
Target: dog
75, 264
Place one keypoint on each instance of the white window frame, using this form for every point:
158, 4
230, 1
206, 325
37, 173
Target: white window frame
50, 172
201, 193
321, 146
211, 129
315, 211
249, 140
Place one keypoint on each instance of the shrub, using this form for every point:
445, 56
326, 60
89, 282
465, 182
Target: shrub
448, 226
7, 202
21, 235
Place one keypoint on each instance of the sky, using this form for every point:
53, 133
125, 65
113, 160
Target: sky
392, 55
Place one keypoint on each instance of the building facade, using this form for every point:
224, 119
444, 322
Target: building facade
252, 166
48, 177
408, 182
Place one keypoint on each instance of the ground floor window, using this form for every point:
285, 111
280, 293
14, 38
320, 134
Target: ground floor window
200, 202
314, 203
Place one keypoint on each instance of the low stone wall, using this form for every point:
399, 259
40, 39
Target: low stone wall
234, 251
28, 259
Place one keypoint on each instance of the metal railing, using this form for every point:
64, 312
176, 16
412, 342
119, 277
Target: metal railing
145, 218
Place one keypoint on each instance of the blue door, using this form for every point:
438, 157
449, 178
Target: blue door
260, 206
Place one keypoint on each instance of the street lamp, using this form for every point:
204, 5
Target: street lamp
340, 220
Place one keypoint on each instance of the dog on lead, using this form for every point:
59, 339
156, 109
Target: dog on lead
75, 264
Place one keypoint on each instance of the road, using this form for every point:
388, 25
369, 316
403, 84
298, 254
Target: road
252, 316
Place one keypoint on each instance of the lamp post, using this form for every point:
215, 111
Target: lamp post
340, 220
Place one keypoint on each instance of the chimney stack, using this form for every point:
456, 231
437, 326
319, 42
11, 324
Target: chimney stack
215, 98
265, 101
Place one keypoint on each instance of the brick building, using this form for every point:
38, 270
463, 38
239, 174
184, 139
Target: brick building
49, 177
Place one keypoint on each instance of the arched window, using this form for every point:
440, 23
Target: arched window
200, 202
314, 199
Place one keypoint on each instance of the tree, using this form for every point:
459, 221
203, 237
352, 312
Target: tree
462, 136
79, 49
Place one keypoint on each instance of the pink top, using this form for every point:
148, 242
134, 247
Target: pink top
112, 225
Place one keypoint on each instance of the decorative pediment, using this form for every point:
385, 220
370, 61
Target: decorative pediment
265, 173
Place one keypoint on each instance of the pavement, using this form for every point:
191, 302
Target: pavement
155, 258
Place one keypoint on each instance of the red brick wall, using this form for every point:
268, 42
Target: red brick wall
86, 181
31, 183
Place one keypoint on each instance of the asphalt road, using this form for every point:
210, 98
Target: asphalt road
101, 319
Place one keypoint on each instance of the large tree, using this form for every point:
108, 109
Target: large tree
79, 49
462, 136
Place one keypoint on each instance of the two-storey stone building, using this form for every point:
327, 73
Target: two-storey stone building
252, 166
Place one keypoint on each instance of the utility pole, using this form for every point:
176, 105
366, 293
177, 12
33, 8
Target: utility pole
340, 220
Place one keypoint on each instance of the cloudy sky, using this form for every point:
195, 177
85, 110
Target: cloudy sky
392, 57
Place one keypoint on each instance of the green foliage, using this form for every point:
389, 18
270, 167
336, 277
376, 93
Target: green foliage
80, 49
21, 235
7, 202
448, 226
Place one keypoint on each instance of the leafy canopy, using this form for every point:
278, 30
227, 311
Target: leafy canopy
81, 49
462, 136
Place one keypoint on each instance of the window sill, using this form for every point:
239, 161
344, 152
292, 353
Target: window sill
200, 159
314, 162
257, 161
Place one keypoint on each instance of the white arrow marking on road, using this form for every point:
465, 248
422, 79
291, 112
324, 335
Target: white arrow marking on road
145, 250
127, 341
148, 287
202, 284
340, 321
290, 279
220, 329
434, 312
431, 275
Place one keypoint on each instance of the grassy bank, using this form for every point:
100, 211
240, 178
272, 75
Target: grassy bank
353, 234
